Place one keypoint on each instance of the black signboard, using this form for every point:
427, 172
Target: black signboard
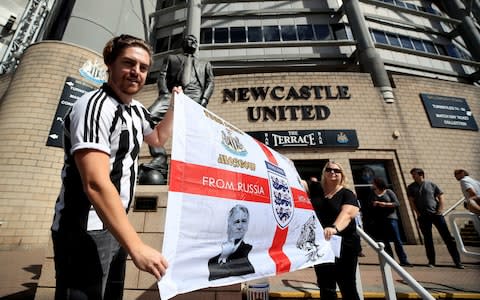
72, 90
307, 138
448, 112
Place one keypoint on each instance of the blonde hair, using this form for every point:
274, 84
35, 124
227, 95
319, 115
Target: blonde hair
343, 180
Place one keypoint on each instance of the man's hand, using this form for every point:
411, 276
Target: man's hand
149, 260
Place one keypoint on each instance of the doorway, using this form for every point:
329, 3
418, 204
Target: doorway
363, 172
310, 168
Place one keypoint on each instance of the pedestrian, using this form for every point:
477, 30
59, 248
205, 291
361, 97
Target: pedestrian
336, 207
470, 189
427, 200
103, 132
383, 204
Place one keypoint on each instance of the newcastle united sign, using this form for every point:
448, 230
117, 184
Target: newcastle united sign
289, 101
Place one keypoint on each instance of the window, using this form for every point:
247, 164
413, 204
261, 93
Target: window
322, 32
221, 35
341, 32
206, 35
457, 52
305, 32
379, 36
164, 4
271, 33
430, 47
176, 41
406, 42
238, 35
161, 45
411, 6
399, 3
418, 45
288, 33
167, 3
393, 40
441, 49
255, 34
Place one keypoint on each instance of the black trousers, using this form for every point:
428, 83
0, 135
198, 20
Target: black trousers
342, 272
88, 265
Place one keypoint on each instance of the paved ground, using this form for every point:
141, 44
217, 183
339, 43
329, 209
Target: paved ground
20, 271
443, 281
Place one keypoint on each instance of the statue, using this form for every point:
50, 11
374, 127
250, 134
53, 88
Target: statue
196, 78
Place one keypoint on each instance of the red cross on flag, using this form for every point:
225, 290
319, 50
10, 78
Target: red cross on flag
236, 211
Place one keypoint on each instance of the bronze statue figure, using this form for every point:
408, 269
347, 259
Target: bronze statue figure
196, 78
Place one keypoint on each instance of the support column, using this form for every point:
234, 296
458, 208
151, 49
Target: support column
194, 18
370, 60
467, 29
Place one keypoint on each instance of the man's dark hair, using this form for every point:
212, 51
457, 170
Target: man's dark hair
459, 171
417, 171
116, 45
380, 183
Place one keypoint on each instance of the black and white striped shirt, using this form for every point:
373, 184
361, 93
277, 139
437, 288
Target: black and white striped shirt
99, 121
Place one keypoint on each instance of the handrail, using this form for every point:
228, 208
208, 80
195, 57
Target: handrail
386, 264
453, 207
456, 231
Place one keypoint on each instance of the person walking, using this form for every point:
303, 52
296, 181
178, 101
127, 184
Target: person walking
384, 204
336, 208
470, 189
103, 133
427, 200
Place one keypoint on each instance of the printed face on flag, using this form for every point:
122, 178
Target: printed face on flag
236, 211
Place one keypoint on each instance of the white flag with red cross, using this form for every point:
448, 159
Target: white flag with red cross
236, 211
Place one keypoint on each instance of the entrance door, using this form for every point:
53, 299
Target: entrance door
363, 172
310, 168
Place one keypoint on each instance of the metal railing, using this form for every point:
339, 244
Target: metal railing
456, 230
452, 217
453, 207
387, 263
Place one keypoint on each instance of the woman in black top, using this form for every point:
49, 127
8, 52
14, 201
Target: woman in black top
336, 208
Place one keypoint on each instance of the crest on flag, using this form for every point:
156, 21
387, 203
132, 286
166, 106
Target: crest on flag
282, 199
232, 143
